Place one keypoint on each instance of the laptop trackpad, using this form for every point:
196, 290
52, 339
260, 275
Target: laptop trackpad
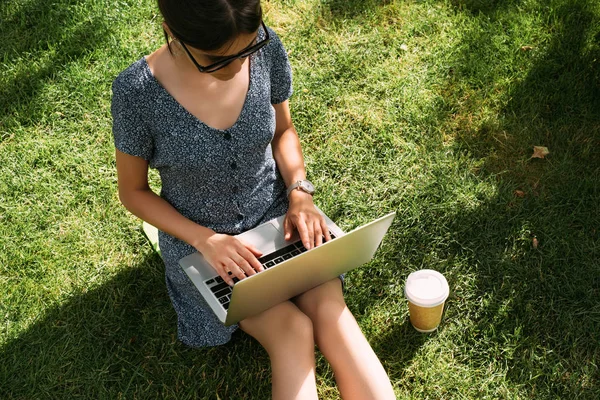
265, 237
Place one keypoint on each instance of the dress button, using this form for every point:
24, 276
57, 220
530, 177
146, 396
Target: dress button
234, 190
240, 217
233, 165
227, 136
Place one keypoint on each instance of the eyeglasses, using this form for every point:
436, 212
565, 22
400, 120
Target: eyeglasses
252, 48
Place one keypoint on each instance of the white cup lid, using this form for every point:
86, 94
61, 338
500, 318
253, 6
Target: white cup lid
426, 288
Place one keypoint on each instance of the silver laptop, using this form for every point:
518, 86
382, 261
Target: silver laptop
289, 269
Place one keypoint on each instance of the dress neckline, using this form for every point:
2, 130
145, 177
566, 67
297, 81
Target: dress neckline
192, 116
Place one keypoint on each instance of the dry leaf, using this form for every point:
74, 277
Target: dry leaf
540, 152
519, 193
535, 243
403, 47
526, 48
305, 90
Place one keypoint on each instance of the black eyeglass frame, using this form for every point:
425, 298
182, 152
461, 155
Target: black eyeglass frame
225, 62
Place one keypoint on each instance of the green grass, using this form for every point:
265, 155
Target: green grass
429, 108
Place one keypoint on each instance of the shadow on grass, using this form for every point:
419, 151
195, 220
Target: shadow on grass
540, 313
558, 103
397, 348
119, 340
40, 39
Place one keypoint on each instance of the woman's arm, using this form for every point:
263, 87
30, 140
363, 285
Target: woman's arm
141, 201
286, 146
287, 152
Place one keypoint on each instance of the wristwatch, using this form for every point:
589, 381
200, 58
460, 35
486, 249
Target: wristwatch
304, 185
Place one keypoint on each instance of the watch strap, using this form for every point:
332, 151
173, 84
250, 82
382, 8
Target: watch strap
295, 185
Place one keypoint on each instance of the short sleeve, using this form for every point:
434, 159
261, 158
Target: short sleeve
281, 71
130, 134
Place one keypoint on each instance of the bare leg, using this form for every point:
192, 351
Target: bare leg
358, 372
287, 335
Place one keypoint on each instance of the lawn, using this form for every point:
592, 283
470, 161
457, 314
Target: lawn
427, 108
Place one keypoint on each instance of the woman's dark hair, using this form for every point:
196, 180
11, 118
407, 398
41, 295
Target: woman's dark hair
210, 24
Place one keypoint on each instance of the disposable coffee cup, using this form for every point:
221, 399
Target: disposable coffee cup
426, 291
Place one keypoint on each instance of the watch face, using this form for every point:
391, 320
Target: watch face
307, 186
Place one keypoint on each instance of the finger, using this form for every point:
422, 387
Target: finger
288, 228
224, 274
325, 230
251, 247
311, 234
236, 270
318, 233
251, 260
245, 267
304, 234
234, 265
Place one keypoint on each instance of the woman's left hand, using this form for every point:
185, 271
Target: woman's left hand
303, 215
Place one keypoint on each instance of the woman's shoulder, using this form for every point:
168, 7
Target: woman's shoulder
275, 50
275, 44
133, 80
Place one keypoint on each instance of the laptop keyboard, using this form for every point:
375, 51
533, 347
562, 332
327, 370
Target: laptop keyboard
222, 291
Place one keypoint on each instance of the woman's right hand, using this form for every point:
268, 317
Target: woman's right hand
226, 254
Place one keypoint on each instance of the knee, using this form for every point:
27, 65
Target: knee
281, 326
327, 312
293, 328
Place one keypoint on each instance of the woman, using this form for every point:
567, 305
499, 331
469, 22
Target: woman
209, 110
